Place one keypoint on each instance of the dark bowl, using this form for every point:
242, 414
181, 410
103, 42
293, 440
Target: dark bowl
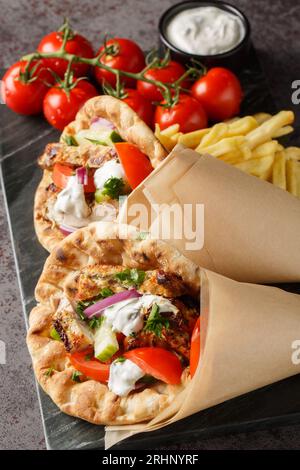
233, 59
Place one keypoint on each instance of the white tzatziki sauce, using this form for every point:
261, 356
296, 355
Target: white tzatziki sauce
71, 200
205, 30
110, 169
70, 208
123, 377
127, 316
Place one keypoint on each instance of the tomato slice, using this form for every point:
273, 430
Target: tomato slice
158, 362
61, 174
136, 164
195, 348
90, 367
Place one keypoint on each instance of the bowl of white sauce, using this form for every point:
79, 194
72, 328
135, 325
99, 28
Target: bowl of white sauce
215, 33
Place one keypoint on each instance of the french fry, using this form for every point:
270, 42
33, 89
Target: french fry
292, 153
229, 144
268, 148
193, 139
279, 170
241, 126
232, 157
293, 177
171, 130
216, 133
248, 143
283, 131
175, 137
261, 117
164, 139
229, 121
267, 129
260, 167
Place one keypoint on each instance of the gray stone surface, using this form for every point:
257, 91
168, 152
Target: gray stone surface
276, 36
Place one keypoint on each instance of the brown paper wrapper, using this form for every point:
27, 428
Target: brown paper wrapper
247, 335
251, 228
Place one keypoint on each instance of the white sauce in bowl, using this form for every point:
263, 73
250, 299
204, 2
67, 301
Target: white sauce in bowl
205, 30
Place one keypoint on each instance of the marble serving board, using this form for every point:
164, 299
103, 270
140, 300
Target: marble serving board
22, 141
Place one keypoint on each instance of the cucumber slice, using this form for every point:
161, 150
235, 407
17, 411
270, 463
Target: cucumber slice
54, 334
101, 136
99, 197
106, 343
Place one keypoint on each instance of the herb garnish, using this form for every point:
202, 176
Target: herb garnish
131, 277
88, 357
106, 292
49, 372
120, 359
76, 376
155, 322
95, 322
83, 304
113, 187
70, 140
97, 142
115, 137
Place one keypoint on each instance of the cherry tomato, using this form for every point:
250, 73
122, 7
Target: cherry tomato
158, 362
195, 348
60, 109
25, 98
128, 56
78, 45
92, 368
220, 93
136, 164
61, 174
188, 113
141, 105
167, 74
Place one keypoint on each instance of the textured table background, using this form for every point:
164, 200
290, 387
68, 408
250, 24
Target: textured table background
275, 25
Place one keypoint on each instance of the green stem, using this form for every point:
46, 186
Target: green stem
166, 88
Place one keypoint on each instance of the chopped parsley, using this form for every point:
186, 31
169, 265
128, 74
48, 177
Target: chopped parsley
115, 137
88, 357
83, 304
106, 292
113, 187
70, 140
155, 322
120, 359
95, 322
97, 142
76, 376
131, 277
49, 372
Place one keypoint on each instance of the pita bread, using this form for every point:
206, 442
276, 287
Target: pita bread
129, 126
110, 244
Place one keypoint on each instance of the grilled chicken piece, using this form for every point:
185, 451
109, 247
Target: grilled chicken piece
86, 155
93, 279
157, 282
176, 337
162, 283
74, 333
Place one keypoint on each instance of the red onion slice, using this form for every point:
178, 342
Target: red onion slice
96, 309
82, 176
99, 121
66, 229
